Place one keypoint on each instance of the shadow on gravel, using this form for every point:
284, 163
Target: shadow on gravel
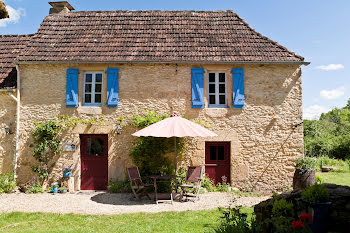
119, 199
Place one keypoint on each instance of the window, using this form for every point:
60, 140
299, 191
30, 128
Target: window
92, 95
217, 90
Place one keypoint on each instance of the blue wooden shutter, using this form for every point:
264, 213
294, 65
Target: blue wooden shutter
238, 87
112, 87
72, 88
197, 87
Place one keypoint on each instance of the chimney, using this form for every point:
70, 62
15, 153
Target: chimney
60, 7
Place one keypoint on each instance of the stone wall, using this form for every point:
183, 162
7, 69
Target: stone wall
264, 143
7, 141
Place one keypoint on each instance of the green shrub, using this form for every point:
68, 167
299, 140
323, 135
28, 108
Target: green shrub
222, 187
319, 179
283, 214
316, 193
233, 220
208, 184
306, 163
7, 183
150, 153
35, 188
283, 208
119, 187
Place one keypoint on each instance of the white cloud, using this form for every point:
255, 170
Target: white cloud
330, 67
314, 112
333, 94
15, 16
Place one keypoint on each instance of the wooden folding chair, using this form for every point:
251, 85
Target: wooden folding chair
193, 181
136, 184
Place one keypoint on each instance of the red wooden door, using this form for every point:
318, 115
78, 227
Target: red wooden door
94, 161
217, 161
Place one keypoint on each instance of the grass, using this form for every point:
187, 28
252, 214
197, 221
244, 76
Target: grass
340, 178
189, 221
339, 165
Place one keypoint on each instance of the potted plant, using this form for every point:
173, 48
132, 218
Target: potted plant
317, 198
304, 175
67, 172
63, 189
54, 187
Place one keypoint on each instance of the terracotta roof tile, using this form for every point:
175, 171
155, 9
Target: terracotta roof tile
10, 46
151, 36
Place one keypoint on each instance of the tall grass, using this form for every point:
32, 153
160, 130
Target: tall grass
338, 164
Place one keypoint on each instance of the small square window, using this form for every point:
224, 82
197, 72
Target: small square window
98, 98
221, 77
212, 88
93, 89
98, 88
87, 98
88, 78
99, 78
212, 77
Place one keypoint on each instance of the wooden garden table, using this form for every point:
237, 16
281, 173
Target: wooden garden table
163, 177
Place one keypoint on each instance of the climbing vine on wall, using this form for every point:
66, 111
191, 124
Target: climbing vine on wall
149, 153
46, 146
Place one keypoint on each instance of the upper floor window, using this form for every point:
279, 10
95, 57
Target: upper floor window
92, 95
217, 90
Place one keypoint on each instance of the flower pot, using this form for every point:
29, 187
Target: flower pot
303, 178
67, 174
54, 189
320, 217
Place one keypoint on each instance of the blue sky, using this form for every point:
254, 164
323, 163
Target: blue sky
316, 29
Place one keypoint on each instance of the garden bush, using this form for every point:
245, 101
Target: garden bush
7, 183
208, 184
233, 220
316, 193
36, 187
119, 186
149, 153
306, 163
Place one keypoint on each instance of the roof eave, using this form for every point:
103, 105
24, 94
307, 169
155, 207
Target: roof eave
179, 62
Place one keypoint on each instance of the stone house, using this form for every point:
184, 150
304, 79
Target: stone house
206, 65
10, 46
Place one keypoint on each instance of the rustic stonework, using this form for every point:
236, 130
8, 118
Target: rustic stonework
7, 141
273, 107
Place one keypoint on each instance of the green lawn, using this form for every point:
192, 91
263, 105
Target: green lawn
340, 178
189, 221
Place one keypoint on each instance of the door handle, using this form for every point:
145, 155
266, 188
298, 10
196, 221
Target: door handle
211, 165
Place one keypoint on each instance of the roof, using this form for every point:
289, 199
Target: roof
152, 36
10, 46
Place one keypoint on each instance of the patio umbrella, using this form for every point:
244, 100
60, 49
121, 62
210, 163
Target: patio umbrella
175, 126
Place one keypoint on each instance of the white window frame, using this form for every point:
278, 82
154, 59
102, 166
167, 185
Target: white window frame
217, 100
93, 92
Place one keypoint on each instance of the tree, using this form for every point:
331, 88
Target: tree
330, 135
3, 12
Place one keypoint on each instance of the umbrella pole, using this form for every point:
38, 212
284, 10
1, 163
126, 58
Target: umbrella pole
175, 163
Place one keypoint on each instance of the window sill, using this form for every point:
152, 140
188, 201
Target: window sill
91, 110
217, 112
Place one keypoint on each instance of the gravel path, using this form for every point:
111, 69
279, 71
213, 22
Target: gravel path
109, 203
